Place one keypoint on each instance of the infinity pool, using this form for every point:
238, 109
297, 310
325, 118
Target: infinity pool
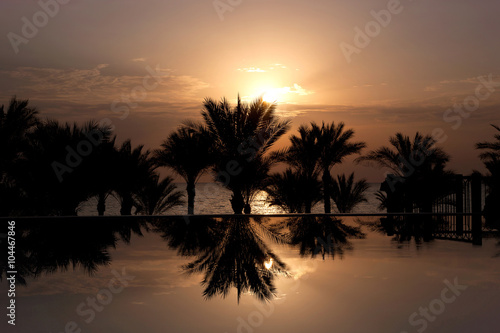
229, 274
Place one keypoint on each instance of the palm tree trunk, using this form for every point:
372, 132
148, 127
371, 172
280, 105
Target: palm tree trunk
127, 204
237, 201
190, 188
327, 181
101, 204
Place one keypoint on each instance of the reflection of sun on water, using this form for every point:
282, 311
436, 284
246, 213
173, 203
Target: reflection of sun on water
269, 264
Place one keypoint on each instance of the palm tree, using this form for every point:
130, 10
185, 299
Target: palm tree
334, 143
55, 178
135, 169
347, 194
240, 137
293, 191
156, 197
16, 123
187, 151
491, 159
418, 165
302, 155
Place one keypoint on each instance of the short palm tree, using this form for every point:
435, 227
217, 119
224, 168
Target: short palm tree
491, 159
347, 194
335, 144
157, 197
187, 151
293, 191
135, 169
241, 135
302, 155
17, 121
418, 165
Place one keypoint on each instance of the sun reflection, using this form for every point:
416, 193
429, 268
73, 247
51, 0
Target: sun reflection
268, 264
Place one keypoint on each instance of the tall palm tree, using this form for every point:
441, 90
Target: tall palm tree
491, 159
241, 136
187, 151
334, 143
347, 194
419, 171
157, 197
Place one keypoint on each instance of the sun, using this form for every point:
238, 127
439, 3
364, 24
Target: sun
271, 95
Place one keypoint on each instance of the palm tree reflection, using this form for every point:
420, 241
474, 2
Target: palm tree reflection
319, 235
230, 252
45, 246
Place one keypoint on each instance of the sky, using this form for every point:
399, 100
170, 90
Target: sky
145, 66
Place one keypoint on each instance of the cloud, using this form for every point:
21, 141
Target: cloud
93, 86
251, 70
262, 70
139, 59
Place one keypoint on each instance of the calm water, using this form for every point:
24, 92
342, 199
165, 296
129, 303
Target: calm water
326, 276
214, 199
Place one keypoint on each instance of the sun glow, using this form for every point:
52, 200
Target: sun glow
268, 264
271, 95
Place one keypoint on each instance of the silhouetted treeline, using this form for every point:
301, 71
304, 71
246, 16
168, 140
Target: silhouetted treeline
49, 168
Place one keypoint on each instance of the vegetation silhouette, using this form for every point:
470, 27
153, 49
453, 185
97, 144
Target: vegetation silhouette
187, 151
230, 252
313, 152
48, 168
347, 194
326, 236
293, 191
47, 245
241, 135
419, 177
491, 158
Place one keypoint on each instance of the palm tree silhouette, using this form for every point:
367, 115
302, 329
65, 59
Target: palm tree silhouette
302, 155
187, 151
293, 191
419, 177
135, 168
17, 122
334, 143
491, 159
157, 197
346, 193
322, 235
48, 193
240, 137
230, 252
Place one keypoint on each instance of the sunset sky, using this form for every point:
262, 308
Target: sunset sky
147, 65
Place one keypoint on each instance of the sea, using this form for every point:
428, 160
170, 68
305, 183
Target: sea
212, 198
